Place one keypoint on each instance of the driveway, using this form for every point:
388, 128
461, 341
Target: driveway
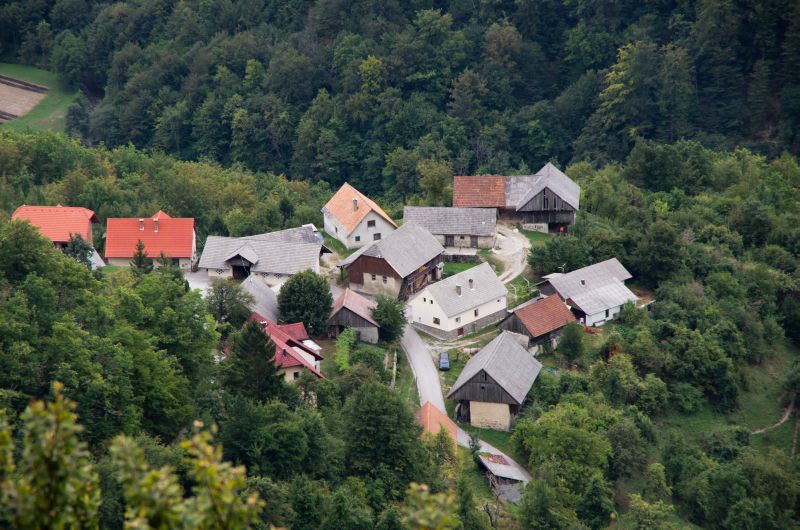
512, 249
430, 389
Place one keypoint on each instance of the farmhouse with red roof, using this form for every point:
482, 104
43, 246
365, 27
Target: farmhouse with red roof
173, 237
541, 321
58, 223
355, 219
295, 352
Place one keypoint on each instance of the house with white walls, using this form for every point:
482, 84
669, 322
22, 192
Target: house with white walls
461, 304
355, 219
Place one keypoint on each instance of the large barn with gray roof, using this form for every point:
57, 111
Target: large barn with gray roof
494, 383
400, 265
549, 198
456, 227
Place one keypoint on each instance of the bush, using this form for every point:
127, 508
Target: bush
391, 316
686, 397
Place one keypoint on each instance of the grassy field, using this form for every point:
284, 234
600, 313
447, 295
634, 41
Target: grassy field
537, 239
452, 267
496, 264
337, 246
51, 112
520, 290
406, 385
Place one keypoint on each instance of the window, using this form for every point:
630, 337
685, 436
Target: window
458, 319
424, 299
371, 224
436, 321
461, 237
475, 313
358, 238
606, 313
376, 236
296, 375
385, 279
431, 301
336, 229
374, 277
544, 199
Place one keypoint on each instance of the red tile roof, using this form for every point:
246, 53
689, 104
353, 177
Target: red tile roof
360, 305
297, 330
340, 206
479, 192
545, 315
433, 420
285, 354
174, 238
57, 222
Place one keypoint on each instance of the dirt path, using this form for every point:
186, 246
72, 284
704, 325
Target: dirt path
512, 250
784, 419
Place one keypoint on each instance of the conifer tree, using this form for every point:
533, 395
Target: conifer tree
141, 263
250, 369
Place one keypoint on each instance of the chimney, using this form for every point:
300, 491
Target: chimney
355, 203
471, 283
583, 282
141, 224
458, 290
155, 224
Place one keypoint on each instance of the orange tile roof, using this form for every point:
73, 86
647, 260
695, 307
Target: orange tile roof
433, 420
340, 206
174, 238
545, 315
57, 222
479, 192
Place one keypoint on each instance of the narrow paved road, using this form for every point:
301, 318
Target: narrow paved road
421, 362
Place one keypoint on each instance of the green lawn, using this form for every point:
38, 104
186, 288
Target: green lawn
499, 439
51, 112
520, 290
496, 264
453, 267
537, 239
406, 385
337, 246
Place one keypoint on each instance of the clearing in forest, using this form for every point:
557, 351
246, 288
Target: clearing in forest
31, 98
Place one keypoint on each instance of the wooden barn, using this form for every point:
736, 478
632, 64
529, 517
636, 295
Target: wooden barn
402, 264
548, 200
494, 383
351, 310
540, 320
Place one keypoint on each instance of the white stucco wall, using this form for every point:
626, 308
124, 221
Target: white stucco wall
423, 309
465, 241
600, 318
377, 286
364, 233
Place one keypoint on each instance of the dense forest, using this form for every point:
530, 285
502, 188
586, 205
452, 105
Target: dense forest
680, 121
384, 93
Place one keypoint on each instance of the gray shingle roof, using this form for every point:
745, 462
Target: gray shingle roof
283, 252
453, 221
606, 297
507, 362
521, 189
405, 250
265, 301
589, 278
486, 287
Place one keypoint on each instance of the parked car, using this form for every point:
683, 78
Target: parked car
444, 361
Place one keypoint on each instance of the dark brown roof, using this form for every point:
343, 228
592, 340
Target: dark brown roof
479, 192
545, 315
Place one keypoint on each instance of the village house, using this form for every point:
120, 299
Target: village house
432, 420
273, 257
355, 219
461, 304
60, 223
595, 293
494, 383
402, 264
456, 227
295, 352
547, 200
540, 320
162, 235
352, 310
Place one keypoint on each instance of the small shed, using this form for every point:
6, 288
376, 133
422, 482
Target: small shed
505, 480
355, 311
541, 321
434, 420
494, 383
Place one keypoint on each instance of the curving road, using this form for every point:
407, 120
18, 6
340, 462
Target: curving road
430, 389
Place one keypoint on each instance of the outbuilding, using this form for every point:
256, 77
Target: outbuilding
494, 383
540, 320
456, 227
352, 310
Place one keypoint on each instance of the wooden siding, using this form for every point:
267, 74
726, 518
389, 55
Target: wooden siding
483, 388
345, 317
513, 324
369, 265
419, 279
554, 203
